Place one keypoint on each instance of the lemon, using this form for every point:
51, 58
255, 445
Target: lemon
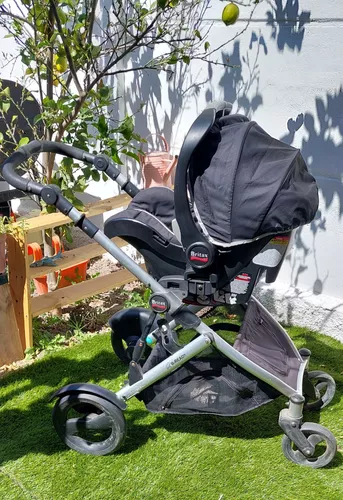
61, 64
230, 14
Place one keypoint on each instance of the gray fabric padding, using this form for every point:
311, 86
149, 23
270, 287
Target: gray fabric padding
262, 340
153, 207
158, 201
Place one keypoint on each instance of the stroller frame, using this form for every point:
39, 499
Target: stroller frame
304, 437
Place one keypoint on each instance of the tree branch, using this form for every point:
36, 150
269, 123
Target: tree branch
91, 20
125, 52
4, 12
66, 48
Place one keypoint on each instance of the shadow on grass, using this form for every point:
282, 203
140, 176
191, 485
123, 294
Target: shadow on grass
26, 429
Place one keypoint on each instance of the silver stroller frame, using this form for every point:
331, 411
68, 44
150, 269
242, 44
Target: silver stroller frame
300, 439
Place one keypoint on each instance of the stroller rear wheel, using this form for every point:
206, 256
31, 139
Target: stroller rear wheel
323, 441
89, 424
324, 386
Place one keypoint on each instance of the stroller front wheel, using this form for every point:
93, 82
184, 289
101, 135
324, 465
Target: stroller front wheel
325, 388
323, 441
89, 424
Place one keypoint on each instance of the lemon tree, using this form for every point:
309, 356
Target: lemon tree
73, 51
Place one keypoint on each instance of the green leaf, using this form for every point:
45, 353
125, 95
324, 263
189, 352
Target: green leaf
6, 106
95, 175
67, 234
206, 46
23, 141
162, 3
126, 128
36, 119
95, 51
1, 137
62, 16
131, 155
104, 91
116, 158
77, 203
197, 34
173, 59
102, 125
186, 59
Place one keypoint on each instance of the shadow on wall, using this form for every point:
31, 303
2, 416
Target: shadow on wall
147, 92
287, 23
238, 89
321, 148
239, 82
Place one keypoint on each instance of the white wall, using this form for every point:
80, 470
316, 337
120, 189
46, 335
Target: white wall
289, 79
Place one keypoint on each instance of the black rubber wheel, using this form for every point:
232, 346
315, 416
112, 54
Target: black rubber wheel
320, 437
325, 388
89, 424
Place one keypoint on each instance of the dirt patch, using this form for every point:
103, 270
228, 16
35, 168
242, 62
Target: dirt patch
100, 266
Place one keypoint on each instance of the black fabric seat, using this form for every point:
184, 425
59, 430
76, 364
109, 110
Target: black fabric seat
147, 225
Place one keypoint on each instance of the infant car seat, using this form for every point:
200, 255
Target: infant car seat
238, 195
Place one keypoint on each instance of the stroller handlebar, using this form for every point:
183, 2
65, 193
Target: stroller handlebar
101, 162
34, 148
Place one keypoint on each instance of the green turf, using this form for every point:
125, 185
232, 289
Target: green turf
164, 457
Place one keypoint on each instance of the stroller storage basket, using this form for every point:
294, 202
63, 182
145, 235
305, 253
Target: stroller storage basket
209, 385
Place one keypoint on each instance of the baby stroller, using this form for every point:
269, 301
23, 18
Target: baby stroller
238, 196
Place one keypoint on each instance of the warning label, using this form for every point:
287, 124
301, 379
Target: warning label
280, 240
240, 284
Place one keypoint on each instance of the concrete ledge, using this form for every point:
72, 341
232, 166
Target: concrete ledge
291, 306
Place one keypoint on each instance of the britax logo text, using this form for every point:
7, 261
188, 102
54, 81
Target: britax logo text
158, 305
202, 257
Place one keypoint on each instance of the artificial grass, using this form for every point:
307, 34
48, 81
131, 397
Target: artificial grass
165, 457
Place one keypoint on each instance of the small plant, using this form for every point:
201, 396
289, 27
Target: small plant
51, 333
137, 298
8, 225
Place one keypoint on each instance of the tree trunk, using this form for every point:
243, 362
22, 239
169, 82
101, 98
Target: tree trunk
48, 158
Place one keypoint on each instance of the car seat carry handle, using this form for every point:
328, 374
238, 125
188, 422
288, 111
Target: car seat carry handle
190, 235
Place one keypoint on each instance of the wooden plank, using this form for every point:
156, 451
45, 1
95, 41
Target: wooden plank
73, 257
18, 269
11, 348
70, 294
58, 219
